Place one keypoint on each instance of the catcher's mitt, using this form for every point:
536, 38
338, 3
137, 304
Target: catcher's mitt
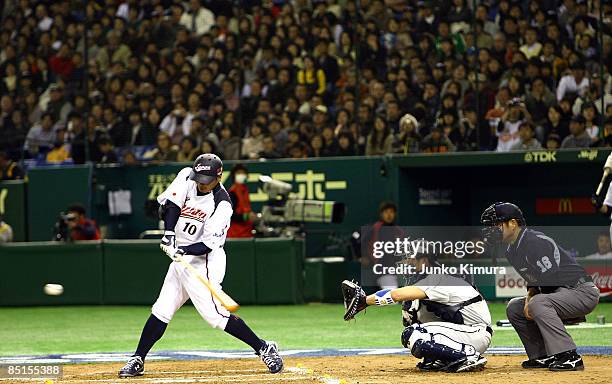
354, 299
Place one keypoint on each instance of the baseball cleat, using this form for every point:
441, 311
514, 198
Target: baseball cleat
270, 356
567, 361
472, 364
542, 362
133, 367
428, 365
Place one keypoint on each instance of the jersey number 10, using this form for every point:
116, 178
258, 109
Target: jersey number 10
190, 228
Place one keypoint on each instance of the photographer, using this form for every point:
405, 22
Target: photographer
75, 226
507, 132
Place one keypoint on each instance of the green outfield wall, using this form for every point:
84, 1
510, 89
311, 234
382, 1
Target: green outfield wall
552, 188
259, 271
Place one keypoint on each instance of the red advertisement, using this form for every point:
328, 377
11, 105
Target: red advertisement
602, 277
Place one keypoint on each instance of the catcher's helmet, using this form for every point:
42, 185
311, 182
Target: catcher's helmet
206, 168
496, 213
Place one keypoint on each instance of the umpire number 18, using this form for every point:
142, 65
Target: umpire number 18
544, 264
190, 228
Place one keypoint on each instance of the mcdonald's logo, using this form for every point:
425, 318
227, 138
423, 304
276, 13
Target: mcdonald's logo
565, 206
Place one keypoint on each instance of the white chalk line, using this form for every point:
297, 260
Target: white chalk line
298, 374
225, 379
114, 372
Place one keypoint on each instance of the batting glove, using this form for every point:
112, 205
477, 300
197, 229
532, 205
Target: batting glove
172, 252
168, 239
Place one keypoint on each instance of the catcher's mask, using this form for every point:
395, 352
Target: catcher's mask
413, 278
496, 214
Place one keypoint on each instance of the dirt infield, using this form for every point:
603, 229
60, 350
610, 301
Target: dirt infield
342, 369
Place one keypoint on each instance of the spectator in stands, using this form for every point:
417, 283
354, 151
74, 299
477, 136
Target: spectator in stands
591, 121
312, 77
142, 133
606, 139
407, 140
604, 249
436, 142
553, 142
554, 123
594, 95
105, 154
269, 151
227, 65
165, 150
9, 170
58, 106
198, 19
41, 137
464, 135
129, 159
532, 47
61, 150
507, 132
527, 141
346, 145
253, 144
229, 144
188, 150
380, 141
538, 99
578, 138
575, 83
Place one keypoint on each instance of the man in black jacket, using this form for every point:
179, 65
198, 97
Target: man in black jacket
558, 289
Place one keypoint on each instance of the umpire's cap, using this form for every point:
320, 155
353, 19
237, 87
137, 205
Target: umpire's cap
206, 168
501, 212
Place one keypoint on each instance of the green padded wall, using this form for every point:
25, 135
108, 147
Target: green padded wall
279, 266
239, 281
27, 267
322, 278
50, 191
134, 271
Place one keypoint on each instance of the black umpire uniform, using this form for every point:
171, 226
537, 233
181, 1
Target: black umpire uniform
559, 290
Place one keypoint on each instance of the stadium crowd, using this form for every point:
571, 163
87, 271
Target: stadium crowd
164, 80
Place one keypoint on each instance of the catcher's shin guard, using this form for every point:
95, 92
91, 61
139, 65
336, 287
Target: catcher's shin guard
436, 351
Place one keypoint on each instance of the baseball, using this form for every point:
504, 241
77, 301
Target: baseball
53, 289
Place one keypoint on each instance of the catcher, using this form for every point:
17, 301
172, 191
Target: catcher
447, 320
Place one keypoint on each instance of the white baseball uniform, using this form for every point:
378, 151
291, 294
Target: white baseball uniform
471, 336
206, 219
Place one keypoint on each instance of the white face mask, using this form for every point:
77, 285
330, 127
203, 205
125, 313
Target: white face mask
240, 178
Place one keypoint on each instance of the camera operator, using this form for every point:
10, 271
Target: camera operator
507, 132
73, 225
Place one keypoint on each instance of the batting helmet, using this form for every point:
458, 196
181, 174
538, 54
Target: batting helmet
206, 168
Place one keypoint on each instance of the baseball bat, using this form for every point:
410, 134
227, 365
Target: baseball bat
225, 299
603, 181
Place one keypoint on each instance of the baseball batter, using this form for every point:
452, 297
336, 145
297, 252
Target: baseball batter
602, 198
196, 210
558, 289
448, 323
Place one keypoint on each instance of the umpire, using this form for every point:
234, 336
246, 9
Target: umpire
558, 289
